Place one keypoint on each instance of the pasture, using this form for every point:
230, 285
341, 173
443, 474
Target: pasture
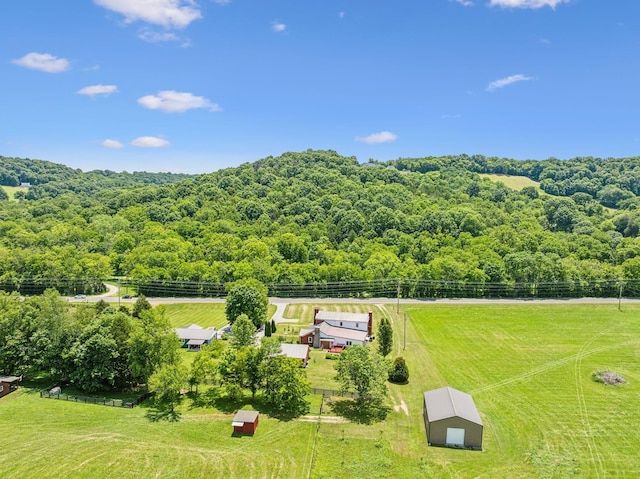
12, 190
528, 367
513, 182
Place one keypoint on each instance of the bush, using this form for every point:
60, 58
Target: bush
332, 356
399, 373
608, 377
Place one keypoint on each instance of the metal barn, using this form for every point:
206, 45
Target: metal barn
451, 419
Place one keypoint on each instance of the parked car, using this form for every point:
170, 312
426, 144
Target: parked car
80, 296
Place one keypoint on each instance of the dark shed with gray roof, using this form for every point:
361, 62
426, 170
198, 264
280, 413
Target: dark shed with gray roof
451, 419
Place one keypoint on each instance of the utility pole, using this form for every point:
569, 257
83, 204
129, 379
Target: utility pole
620, 296
398, 296
119, 293
405, 332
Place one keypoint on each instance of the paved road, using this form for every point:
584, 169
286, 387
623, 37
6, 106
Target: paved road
110, 297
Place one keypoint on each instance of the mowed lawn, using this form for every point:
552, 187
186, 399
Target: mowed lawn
206, 315
527, 366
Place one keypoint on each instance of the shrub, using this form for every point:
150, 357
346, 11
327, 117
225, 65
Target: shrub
608, 377
399, 373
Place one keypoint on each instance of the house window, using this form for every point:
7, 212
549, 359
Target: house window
357, 325
340, 323
1, 388
310, 339
348, 343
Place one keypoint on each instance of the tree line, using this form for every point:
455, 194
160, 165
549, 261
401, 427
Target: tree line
317, 217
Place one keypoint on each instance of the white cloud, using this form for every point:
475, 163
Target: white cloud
278, 27
526, 3
155, 37
98, 90
375, 138
150, 142
111, 144
43, 61
176, 102
341, 15
168, 13
465, 3
501, 83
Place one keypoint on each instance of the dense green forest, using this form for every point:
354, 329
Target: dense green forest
48, 179
318, 217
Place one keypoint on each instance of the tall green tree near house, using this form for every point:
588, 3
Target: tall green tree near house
243, 332
152, 343
247, 297
285, 385
167, 382
385, 337
364, 372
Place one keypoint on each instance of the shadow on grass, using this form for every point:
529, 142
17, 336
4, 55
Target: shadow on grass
159, 414
160, 411
205, 398
365, 413
229, 405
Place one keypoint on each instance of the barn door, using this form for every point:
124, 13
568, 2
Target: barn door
455, 436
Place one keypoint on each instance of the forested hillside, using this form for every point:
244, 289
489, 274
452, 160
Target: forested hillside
50, 179
315, 217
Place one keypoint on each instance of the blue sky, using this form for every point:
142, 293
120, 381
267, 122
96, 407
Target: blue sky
198, 85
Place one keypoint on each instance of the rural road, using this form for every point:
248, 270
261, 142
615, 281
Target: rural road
111, 297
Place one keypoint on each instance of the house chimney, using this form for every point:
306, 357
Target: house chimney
370, 324
316, 310
316, 337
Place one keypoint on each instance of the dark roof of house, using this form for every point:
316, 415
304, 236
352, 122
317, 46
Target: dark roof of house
244, 415
447, 402
9, 379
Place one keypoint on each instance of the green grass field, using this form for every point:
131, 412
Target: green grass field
204, 314
528, 368
513, 182
11, 190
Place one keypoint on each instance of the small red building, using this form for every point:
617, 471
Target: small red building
245, 422
8, 384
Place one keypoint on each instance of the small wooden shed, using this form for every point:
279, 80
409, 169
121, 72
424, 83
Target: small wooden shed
245, 422
8, 384
451, 419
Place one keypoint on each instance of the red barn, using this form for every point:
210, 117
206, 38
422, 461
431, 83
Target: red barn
8, 384
245, 422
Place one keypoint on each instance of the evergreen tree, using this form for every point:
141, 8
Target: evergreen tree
385, 337
267, 329
399, 372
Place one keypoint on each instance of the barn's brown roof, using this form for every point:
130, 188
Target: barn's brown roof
447, 402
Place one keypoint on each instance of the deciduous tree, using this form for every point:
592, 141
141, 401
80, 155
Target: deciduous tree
364, 372
247, 297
